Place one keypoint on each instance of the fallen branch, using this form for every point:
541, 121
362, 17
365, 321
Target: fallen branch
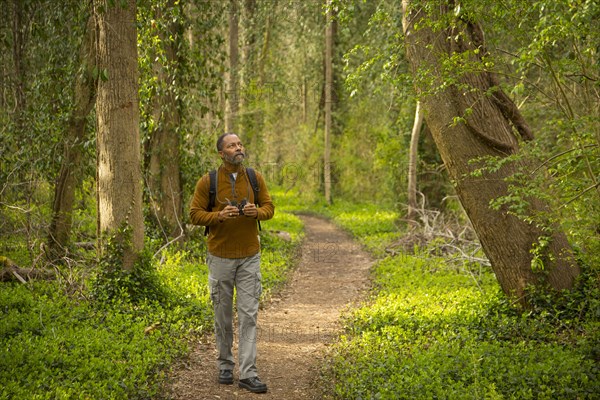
433, 231
11, 271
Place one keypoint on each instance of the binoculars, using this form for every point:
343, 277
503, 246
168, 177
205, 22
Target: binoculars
240, 206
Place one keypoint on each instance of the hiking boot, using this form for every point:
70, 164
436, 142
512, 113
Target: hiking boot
226, 377
253, 384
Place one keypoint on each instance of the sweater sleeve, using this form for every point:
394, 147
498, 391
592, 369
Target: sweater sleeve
266, 209
199, 212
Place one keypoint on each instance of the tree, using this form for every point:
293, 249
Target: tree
232, 103
118, 146
69, 175
412, 162
163, 154
471, 118
256, 25
328, 100
18, 31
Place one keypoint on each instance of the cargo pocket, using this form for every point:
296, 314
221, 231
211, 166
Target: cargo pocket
258, 285
213, 286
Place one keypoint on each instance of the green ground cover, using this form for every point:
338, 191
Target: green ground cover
432, 329
117, 342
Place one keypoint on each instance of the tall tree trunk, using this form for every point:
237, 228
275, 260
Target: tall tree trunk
118, 145
264, 51
249, 29
328, 100
488, 129
18, 60
232, 81
250, 112
163, 167
68, 179
413, 157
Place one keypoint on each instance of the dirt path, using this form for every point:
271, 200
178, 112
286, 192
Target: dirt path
295, 327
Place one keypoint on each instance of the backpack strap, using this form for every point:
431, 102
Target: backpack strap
212, 194
255, 188
253, 182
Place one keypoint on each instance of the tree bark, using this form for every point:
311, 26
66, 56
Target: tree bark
413, 157
489, 130
68, 179
18, 60
328, 100
164, 180
118, 145
232, 81
248, 68
251, 116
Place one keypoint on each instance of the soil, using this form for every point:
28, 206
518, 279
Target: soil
295, 326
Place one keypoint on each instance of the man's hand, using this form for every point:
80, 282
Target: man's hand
228, 212
250, 210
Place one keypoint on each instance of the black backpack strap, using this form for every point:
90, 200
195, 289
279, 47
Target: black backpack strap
212, 194
255, 188
253, 182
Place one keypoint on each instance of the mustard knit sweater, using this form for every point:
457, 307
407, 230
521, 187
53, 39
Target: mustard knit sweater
233, 238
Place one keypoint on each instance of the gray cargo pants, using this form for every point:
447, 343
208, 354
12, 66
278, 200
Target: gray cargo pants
243, 274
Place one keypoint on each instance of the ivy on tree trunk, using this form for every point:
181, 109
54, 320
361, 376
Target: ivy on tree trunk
470, 119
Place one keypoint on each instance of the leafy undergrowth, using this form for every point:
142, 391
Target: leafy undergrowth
116, 340
56, 347
437, 330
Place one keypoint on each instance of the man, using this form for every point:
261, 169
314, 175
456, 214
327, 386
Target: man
234, 257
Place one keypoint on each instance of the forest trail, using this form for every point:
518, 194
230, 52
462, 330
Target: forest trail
295, 326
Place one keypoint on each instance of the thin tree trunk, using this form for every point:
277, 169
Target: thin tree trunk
118, 146
258, 116
19, 68
232, 98
163, 167
413, 157
489, 130
304, 97
247, 71
264, 51
68, 179
328, 101
250, 112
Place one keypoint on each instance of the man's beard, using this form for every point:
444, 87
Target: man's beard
235, 159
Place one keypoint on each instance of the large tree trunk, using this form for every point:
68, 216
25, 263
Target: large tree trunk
68, 178
163, 166
328, 101
488, 129
117, 108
